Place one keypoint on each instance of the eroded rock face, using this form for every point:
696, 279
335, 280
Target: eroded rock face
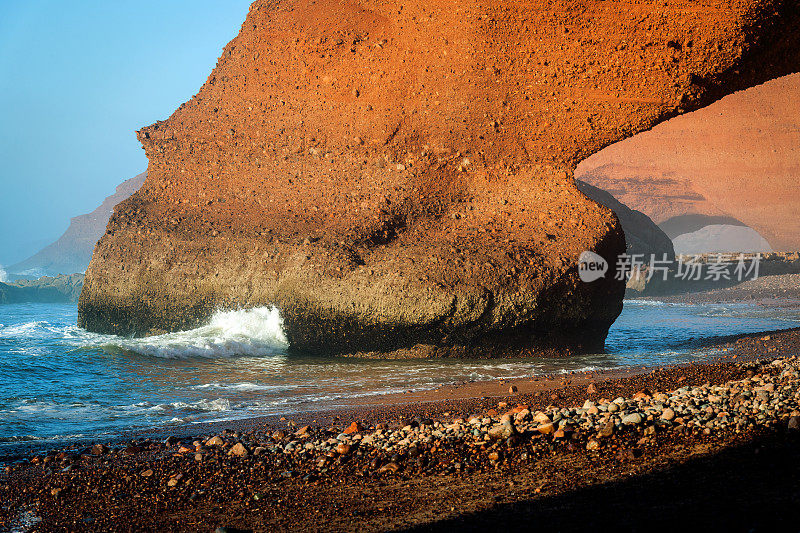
735, 162
398, 177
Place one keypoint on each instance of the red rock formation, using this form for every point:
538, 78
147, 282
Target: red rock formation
739, 159
398, 177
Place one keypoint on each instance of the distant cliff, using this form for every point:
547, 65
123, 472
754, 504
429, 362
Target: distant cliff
43, 290
736, 162
73, 250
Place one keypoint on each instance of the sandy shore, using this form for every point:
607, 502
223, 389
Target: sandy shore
775, 291
722, 476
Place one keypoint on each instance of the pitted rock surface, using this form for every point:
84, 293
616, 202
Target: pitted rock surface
398, 177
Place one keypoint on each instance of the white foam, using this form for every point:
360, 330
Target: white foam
252, 332
41, 329
201, 405
644, 302
3, 274
82, 411
244, 387
33, 438
23, 330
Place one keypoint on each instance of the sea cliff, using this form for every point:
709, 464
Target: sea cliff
398, 178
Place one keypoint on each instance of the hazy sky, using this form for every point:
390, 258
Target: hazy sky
77, 78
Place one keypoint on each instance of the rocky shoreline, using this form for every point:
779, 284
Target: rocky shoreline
428, 465
771, 290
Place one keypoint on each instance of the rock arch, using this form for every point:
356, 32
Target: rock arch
397, 177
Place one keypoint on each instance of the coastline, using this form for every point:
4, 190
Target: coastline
61, 489
461, 396
535, 390
461, 387
783, 289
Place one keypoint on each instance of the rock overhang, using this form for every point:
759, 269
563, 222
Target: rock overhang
394, 176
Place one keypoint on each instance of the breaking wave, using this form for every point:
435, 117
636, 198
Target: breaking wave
25, 330
58, 381
643, 303
248, 332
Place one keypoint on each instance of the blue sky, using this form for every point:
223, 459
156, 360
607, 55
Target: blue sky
77, 78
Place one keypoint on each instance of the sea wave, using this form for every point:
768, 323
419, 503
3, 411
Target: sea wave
246, 332
19, 438
654, 303
23, 330
41, 330
244, 387
33, 438
203, 405
80, 410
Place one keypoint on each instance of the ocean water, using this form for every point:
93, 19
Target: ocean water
59, 382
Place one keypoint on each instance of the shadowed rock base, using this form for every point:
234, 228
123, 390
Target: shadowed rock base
393, 319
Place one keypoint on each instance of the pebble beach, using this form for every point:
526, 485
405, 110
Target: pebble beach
426, 465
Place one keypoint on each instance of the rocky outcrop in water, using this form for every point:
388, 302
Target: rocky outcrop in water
399, 178
73, 250
735, 162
